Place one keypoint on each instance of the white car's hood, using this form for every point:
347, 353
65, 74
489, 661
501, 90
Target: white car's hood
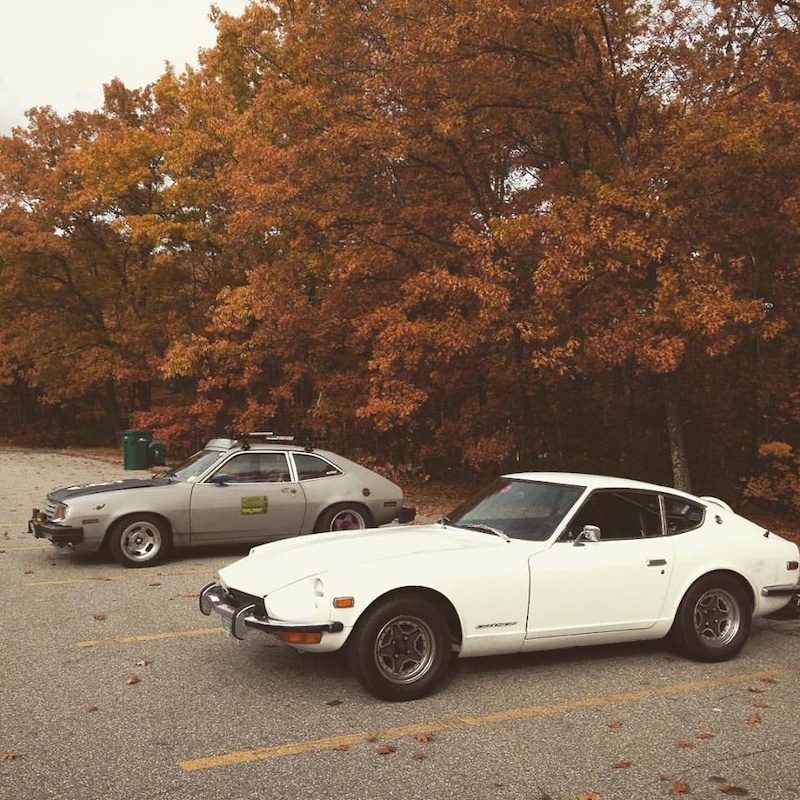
277, 564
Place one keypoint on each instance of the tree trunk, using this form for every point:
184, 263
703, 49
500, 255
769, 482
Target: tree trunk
677, 448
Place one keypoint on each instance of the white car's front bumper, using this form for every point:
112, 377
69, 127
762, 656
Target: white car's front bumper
240, 613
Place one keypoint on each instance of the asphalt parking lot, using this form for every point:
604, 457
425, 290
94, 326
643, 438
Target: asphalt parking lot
113, 685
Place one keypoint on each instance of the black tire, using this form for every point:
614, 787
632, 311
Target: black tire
141, 540
713, 619
400, 649
344, 517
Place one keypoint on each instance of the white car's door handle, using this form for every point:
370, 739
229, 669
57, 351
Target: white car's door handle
656, 562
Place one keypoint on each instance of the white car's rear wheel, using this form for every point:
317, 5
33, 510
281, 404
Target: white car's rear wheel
400, 649
139, 541
713, 620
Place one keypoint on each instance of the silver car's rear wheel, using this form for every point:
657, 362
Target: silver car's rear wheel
713, 620
139, 541
344, 517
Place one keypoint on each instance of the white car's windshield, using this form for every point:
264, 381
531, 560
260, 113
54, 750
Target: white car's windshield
196, 465
520, 509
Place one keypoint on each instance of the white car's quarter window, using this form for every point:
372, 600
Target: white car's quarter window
682, 515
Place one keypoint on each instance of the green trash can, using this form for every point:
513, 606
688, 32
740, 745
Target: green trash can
135, 448
157, 456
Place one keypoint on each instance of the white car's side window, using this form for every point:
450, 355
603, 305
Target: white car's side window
620, 515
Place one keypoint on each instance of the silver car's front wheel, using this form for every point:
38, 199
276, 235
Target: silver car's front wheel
139, 541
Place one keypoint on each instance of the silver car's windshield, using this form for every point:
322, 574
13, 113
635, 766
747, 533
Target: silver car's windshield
521, 509
195, 465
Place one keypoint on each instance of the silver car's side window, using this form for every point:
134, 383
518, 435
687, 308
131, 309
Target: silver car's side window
310, 466
253, 467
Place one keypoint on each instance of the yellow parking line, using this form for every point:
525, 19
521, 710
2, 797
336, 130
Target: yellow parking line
149, 637
122, 577
436, 726
15, 547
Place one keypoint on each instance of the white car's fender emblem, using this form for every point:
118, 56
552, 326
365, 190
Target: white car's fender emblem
496, 625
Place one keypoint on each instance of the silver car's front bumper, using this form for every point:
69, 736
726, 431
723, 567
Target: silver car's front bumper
239, 614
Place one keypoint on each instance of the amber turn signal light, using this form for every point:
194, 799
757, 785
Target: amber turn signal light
300, 637
344, 602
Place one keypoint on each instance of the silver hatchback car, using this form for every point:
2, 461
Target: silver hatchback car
248, 490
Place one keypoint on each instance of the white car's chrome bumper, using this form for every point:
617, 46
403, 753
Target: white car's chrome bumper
238, 614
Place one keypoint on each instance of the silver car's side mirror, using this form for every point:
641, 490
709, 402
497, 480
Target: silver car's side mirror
590, 533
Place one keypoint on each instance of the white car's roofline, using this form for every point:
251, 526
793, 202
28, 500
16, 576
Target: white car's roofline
590, 481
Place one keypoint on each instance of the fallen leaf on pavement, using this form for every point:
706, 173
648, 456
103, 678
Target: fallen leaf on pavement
424, 738
621, 764
754, 718
678, 788
132, 680
386, 750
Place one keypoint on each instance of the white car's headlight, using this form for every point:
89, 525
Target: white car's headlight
301, 601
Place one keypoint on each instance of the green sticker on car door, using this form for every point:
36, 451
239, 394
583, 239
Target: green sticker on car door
255, 504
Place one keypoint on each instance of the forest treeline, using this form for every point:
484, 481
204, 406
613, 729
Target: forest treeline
453, 237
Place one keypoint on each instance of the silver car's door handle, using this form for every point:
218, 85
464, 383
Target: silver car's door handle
289, 490
656, 562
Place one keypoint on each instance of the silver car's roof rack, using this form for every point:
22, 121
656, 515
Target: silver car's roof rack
269, 436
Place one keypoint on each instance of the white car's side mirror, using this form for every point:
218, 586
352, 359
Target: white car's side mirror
590, 533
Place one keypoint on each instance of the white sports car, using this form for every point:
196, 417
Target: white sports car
537, 561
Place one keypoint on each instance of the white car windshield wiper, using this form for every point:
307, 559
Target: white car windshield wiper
480, 526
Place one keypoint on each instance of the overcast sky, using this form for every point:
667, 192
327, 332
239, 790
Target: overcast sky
59, 53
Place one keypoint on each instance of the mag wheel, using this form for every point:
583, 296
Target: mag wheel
344, 517
713, 620
400, 649
139, 541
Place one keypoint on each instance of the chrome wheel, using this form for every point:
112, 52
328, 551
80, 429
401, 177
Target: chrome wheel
344, 517
402, 647
405, 649
139, 541
348, 520
713, 619
717, 617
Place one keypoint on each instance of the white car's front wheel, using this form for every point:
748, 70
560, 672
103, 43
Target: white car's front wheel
400, 649
138, 541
